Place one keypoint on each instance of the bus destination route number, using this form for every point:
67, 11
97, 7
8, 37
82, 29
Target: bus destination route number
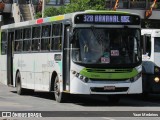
107, 19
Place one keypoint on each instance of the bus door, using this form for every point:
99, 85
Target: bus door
66, 59
10, 58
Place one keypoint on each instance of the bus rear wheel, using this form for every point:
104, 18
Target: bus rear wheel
20, 90
59, 96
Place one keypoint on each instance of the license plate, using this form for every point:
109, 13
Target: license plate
109, 87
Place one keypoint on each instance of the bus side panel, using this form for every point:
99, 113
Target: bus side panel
44, 67
23, 64
36, 69
28, 67
3, 69
41, 69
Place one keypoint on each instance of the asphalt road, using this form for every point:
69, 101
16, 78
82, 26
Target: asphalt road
86, 107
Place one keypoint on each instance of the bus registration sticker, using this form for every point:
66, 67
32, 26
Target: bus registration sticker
105, 60
109, 88
114, 52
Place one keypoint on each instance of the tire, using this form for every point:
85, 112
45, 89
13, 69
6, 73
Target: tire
114, 99
20, 90
59, 96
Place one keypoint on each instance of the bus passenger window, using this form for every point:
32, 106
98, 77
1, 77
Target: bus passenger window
18, 46
36, 45
57, 29
45, 44
19, 34
36, 32
56, 44
27, 45
27, 33
46, 31
18, 40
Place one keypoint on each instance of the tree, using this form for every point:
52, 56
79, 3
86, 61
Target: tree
50, 11
98, 4
74, 6
77, 5
38, 15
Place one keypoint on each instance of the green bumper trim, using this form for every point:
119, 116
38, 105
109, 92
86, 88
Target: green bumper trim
109, 73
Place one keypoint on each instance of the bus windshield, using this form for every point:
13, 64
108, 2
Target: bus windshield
106, 46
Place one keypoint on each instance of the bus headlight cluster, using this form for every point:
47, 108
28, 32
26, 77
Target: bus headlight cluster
136, 77
156, 79
81, 77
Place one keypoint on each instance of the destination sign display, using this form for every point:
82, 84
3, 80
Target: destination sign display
107, 19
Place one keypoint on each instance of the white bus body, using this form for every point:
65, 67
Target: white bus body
31, 65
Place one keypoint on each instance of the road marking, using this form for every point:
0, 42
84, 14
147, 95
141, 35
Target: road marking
107, 118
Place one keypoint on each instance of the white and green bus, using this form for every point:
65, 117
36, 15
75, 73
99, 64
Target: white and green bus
90, 52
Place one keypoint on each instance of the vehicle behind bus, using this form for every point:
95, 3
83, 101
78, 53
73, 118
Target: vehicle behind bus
151, 62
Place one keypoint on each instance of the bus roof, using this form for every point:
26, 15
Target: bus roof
59, 17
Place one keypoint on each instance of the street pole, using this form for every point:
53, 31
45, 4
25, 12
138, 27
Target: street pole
43, 7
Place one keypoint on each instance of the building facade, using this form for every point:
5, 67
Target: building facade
139, 7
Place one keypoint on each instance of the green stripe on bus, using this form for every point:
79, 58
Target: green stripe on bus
109, 75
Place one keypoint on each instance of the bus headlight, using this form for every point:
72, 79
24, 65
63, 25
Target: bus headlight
136, 77
77, 75
84, 79
156, 79
81, 77
73, 72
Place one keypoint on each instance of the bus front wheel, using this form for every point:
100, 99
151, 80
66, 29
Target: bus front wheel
59, 96
20, 90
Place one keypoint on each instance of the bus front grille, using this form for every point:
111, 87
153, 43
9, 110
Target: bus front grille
109, 70
101, 89
109, 80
